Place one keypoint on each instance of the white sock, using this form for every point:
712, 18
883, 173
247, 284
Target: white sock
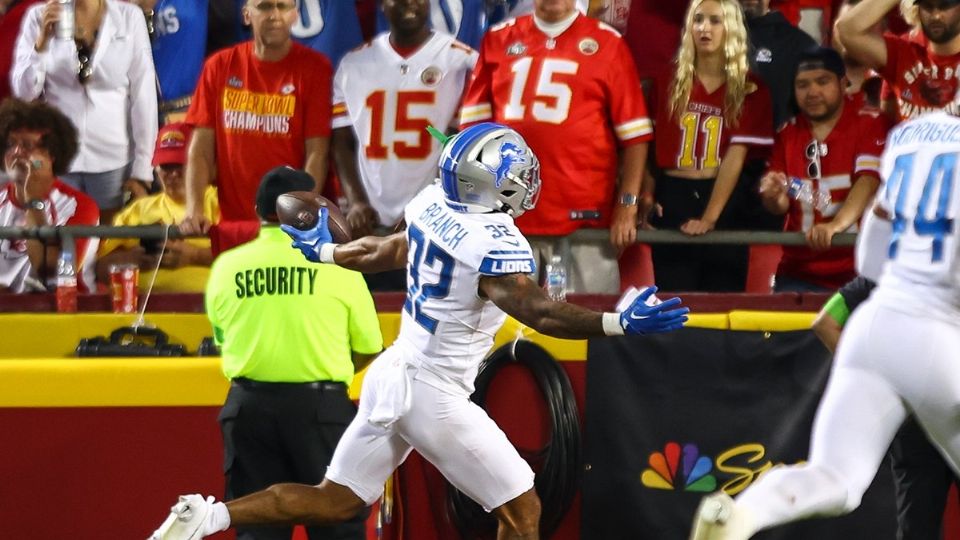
217, 520
787, 494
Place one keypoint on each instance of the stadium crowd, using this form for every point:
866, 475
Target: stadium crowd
712, 114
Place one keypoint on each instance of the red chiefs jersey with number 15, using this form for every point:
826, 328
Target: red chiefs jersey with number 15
574, 98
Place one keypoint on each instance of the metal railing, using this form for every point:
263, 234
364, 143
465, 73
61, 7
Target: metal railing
67, 233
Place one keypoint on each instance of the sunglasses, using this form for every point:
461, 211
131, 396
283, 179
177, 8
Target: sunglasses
813, 153
268, 7
84, 69
23, 144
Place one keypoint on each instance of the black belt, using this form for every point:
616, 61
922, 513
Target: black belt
326, 386
175, 104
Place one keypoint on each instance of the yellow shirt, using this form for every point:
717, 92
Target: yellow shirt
161, 209
279, 318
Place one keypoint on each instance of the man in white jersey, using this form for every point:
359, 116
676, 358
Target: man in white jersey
898, 354
385, 93
467, 264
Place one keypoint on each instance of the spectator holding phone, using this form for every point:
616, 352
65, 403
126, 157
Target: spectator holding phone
183, 264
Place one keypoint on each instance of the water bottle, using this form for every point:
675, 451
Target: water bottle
66, 283
804, 193
556, 279
66, 22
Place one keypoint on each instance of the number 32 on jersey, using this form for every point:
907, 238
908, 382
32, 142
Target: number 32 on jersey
430, 259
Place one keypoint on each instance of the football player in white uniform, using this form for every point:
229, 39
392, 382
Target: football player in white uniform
467, 264
898, 353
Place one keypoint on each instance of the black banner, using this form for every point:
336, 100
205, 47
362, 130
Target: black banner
674, 417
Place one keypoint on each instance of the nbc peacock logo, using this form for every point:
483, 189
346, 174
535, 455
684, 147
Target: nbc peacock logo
679, 468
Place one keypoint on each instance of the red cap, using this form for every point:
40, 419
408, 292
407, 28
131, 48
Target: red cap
172, 141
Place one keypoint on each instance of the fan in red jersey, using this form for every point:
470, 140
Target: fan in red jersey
710, 113
921, 73
831, 147
568, 84
38, 143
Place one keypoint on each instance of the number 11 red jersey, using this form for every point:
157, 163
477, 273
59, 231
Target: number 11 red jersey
699, 138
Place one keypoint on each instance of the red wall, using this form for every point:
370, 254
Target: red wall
113, 472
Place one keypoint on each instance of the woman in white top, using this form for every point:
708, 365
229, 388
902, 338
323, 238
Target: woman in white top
104, 81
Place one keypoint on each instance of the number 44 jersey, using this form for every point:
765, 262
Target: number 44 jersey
445, 322
389, 99
920, 169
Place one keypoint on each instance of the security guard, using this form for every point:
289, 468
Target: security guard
288, 331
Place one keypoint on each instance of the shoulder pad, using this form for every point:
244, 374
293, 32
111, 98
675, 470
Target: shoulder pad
604, 26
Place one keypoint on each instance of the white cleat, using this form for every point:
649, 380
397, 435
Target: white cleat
186, 519
718, 518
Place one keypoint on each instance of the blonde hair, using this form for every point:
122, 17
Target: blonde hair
735, 67
909, 12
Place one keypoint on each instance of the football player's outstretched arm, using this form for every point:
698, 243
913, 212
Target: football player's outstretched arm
373, 253
873, 243
365, 254
524, 300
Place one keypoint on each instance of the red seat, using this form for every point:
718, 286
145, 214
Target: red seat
636, 267
762, 267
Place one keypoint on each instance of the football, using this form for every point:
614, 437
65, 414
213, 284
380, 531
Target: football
300, 209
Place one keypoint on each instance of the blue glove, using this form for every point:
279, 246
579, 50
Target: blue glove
309, 241
640, 318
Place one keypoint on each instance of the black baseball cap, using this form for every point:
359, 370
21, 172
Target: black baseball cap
942, 4
822, 58
276, 182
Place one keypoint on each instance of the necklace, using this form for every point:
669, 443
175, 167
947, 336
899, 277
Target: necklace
81, 33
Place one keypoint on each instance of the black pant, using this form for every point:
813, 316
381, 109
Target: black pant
389, 281
753, 216
688, 267
921, 478
284, 432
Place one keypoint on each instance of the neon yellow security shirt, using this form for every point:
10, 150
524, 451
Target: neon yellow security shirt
279, 318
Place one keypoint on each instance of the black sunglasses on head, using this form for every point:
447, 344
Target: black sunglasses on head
84, 69
812, 153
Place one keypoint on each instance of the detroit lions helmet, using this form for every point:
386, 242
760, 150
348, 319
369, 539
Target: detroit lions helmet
489, 167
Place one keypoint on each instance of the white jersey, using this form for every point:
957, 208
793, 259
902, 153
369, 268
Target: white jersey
921, 191
444, 321
390, 100
16, 272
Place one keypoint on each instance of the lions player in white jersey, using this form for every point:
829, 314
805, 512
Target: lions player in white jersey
467, 264
897, 355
